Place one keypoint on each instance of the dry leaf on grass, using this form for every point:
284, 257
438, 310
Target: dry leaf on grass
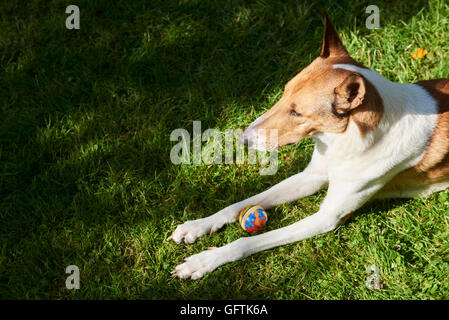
419, 53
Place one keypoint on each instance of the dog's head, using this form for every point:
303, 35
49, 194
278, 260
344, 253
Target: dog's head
319, 99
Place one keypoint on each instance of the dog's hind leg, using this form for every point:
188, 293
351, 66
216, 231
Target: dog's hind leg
303, 184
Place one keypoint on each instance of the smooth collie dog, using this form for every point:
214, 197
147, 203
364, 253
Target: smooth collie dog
374, 138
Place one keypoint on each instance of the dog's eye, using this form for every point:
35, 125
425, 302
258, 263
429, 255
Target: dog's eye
294, 113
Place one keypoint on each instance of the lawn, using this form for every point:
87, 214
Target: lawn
86, 177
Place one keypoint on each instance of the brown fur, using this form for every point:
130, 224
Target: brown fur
435, 162
367, 117
332, 45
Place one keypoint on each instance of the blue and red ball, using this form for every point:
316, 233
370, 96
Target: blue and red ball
253, 218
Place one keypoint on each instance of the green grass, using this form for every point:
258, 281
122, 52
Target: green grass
86, 177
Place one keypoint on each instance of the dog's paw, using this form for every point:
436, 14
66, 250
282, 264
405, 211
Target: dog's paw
189, 231
198, 265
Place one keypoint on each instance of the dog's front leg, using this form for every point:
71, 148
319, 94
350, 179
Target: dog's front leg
298, 186
339, 202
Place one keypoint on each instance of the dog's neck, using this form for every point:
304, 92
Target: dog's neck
399, 100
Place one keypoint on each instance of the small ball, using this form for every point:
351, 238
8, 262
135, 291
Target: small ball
253, 218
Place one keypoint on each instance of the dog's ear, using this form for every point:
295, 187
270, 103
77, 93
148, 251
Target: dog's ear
332, 46
349, 94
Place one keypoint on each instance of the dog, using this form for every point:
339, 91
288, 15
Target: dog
374, 138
